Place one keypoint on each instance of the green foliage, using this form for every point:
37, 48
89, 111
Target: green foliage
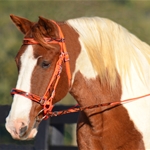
133, 15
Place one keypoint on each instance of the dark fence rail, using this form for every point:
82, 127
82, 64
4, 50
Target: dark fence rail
42, 141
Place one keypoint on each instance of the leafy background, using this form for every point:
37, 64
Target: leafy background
132, 14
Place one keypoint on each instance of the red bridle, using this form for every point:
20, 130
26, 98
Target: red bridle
45, 100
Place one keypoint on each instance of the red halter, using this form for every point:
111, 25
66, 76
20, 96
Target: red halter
46, 101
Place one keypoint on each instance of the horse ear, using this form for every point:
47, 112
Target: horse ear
22, 24
48, 27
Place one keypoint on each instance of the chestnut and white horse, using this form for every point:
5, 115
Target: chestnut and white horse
98, 62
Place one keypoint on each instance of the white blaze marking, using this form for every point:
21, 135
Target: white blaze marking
21, 105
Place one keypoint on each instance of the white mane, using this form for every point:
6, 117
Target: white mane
111, 48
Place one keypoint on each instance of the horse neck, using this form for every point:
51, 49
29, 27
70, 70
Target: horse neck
89, 92
88, 89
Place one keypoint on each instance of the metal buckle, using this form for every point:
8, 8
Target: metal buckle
42, 101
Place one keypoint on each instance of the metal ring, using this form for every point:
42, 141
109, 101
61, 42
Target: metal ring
37, 117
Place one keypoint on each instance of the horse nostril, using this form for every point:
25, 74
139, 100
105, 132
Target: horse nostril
22, 131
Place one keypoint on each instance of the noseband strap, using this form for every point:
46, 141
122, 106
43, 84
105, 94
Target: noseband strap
46, 101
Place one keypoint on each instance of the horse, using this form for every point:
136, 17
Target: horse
97, 61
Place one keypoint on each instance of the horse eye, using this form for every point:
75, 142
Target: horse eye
45, 64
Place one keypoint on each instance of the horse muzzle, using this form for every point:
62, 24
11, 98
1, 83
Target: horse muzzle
20, 130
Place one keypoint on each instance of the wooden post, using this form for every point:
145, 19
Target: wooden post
42, 138
57, 134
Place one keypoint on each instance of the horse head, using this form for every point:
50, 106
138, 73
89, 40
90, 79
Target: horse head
37, 62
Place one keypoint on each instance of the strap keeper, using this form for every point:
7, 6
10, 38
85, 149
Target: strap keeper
42, 101
66, 57
62, 40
